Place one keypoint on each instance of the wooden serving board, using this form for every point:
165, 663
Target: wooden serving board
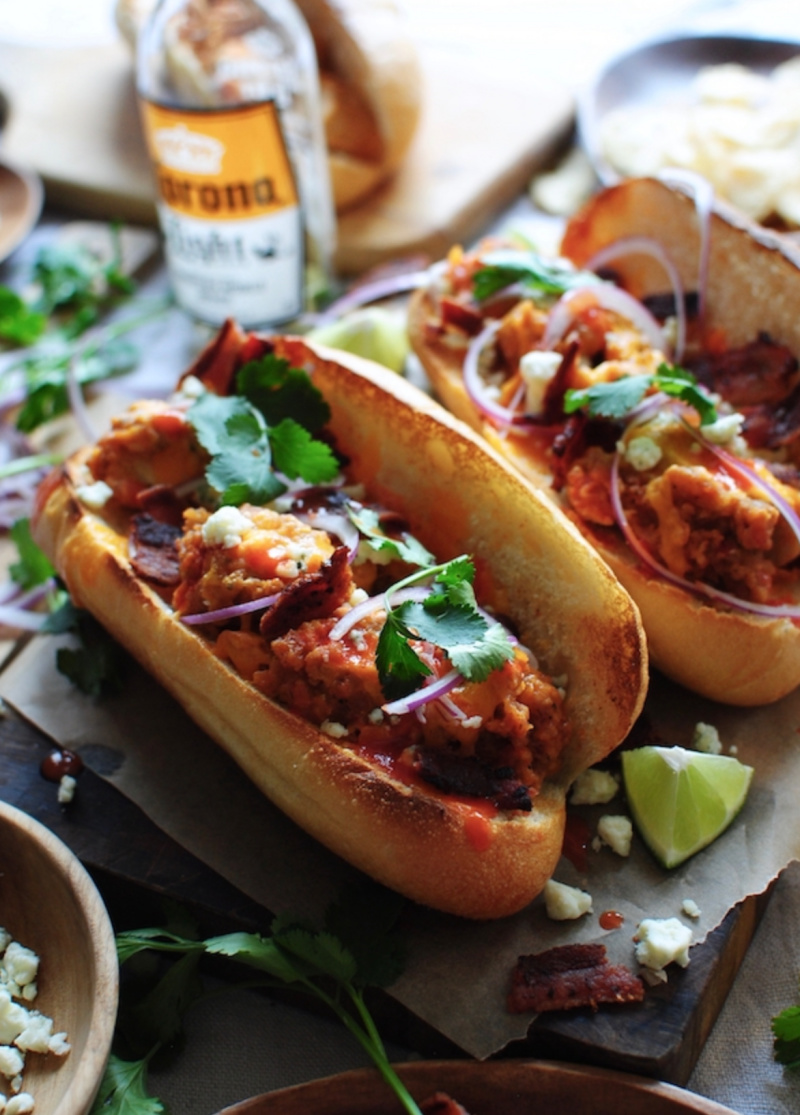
136, 864
74, 119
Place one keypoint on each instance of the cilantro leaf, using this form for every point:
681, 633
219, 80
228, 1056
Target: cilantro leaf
786, 1031
259, 952
400, 668
280, 391
406, 548
364, 918
234, 435
123, 1090
618, 397
19, 324
501, 268
298, 454
96, 664
448, 618
608, 400
33, 568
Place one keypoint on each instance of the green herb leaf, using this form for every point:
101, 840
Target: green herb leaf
96, 665
608, 400
123, 1090
617, 398
19, 325
259, 952
786, 1030
538, 275
280, 391
448, 618
407, 548
365, 918
33, 568
235, 436
299, 455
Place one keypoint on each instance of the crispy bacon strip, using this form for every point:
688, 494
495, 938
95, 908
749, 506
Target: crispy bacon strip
311, 596
569, 976
154, 553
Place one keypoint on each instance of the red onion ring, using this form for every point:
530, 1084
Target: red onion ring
365, 293
476, 388
645, 245
219, 615
695, 588
610, 297
373, 604
430, 691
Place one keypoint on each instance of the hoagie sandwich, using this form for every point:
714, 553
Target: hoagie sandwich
648, 380
403, 644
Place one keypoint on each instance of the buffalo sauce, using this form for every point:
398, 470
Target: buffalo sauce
577, 837
611, 919
476, 813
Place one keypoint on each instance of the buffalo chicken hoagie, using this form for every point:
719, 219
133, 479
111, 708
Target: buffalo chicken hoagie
400, 641
648, 380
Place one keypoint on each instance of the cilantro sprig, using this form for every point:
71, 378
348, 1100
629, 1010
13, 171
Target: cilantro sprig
263, 434
407, 548
786, 1034
501, 268
618, 398
357, 947
448, 618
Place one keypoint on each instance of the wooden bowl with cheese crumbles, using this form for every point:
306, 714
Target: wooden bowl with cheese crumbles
58, 964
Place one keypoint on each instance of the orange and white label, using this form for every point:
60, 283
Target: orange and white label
229, 209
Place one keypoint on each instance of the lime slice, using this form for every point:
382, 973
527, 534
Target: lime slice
682, 800
375, 332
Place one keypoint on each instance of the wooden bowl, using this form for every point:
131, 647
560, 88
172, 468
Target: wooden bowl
49, 903
488, 1088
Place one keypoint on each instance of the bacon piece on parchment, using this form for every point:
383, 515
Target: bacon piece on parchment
570, 976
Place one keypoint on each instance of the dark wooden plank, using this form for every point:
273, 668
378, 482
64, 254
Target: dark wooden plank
136, 865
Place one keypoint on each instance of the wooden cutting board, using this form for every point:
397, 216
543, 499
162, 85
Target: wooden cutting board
136, 865
74, 119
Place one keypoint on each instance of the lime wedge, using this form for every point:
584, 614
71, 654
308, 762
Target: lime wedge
682, 800
375, 332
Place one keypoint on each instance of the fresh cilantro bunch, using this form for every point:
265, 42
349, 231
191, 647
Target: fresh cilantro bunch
501, 268
358, 947
450, 619
618, 398
72, 289
264, 430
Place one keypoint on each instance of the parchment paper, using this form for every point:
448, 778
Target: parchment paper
458, 971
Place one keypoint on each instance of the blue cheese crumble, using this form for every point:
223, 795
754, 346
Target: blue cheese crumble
22, 1030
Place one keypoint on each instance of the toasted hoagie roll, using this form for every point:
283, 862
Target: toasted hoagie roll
659, 407
434, 751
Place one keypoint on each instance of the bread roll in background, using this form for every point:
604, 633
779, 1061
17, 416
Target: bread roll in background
370, 80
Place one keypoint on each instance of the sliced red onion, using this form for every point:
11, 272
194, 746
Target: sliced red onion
645, 245
21, 618
333, 523
373, 604
432, 691
475, 386
365, 293
610, 297
745, 472
696, 588
219, 615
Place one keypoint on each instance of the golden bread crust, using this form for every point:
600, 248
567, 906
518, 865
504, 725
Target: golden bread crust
570, 610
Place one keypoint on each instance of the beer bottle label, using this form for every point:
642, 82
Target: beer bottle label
229, 210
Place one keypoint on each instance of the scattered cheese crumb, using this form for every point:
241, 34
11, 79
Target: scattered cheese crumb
662, 941
537, 368
617, 833
19, 1104
594, 787
94, 496
226, 527
333, 729
643, 453
706, 738
565, 903
690, 908
66, 789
